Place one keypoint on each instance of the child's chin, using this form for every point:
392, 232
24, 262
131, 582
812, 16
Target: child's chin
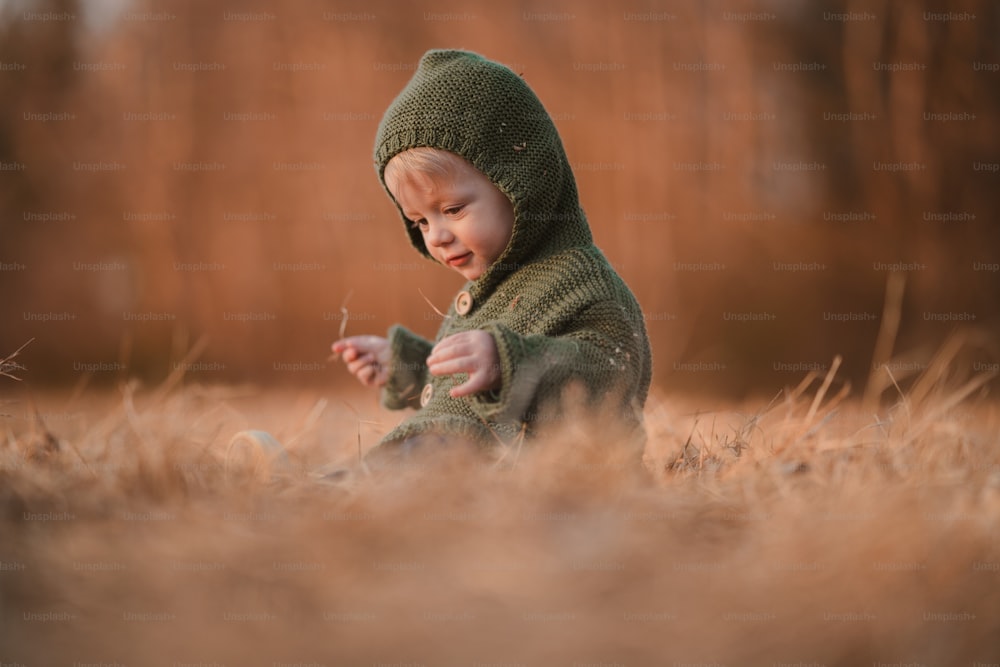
470, 273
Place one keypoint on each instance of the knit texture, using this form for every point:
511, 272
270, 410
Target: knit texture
554, 305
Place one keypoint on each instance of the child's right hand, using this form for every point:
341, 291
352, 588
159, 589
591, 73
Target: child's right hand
367, 358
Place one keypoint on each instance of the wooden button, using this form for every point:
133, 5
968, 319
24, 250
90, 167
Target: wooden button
463, 303
425, 395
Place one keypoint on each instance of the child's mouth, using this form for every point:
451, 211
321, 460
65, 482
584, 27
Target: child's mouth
460, 260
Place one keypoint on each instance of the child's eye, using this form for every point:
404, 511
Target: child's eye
420, 224
454, 210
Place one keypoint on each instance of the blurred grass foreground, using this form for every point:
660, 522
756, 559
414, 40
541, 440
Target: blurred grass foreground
139, 529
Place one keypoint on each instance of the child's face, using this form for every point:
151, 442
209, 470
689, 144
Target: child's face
465, 220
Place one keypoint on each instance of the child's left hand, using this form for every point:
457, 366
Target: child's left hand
472, 352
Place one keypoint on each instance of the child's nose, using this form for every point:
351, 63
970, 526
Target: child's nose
438, 233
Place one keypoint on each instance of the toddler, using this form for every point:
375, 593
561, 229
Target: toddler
478, 172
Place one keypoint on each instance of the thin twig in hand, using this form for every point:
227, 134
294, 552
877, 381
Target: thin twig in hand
344, 313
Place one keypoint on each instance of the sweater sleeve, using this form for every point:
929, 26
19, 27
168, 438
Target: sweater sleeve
600, 351
407, 370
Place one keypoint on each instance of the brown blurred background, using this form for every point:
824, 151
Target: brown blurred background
755, 170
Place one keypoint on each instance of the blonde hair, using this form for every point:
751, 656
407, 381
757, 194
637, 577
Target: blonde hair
432, 162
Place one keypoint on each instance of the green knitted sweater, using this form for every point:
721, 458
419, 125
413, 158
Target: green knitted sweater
554, 305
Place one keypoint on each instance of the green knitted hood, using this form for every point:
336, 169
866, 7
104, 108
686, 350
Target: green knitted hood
461, 102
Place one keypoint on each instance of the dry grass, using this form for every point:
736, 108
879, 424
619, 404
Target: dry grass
798, 531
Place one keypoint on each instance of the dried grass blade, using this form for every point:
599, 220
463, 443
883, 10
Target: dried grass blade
822, 390
886, 340
937, 368
431, 304
8, 364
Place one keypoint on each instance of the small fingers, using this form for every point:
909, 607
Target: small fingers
359, 362
361, 356
439, 355
368, 372
367, 375
450, 366
345, 345
364, 343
